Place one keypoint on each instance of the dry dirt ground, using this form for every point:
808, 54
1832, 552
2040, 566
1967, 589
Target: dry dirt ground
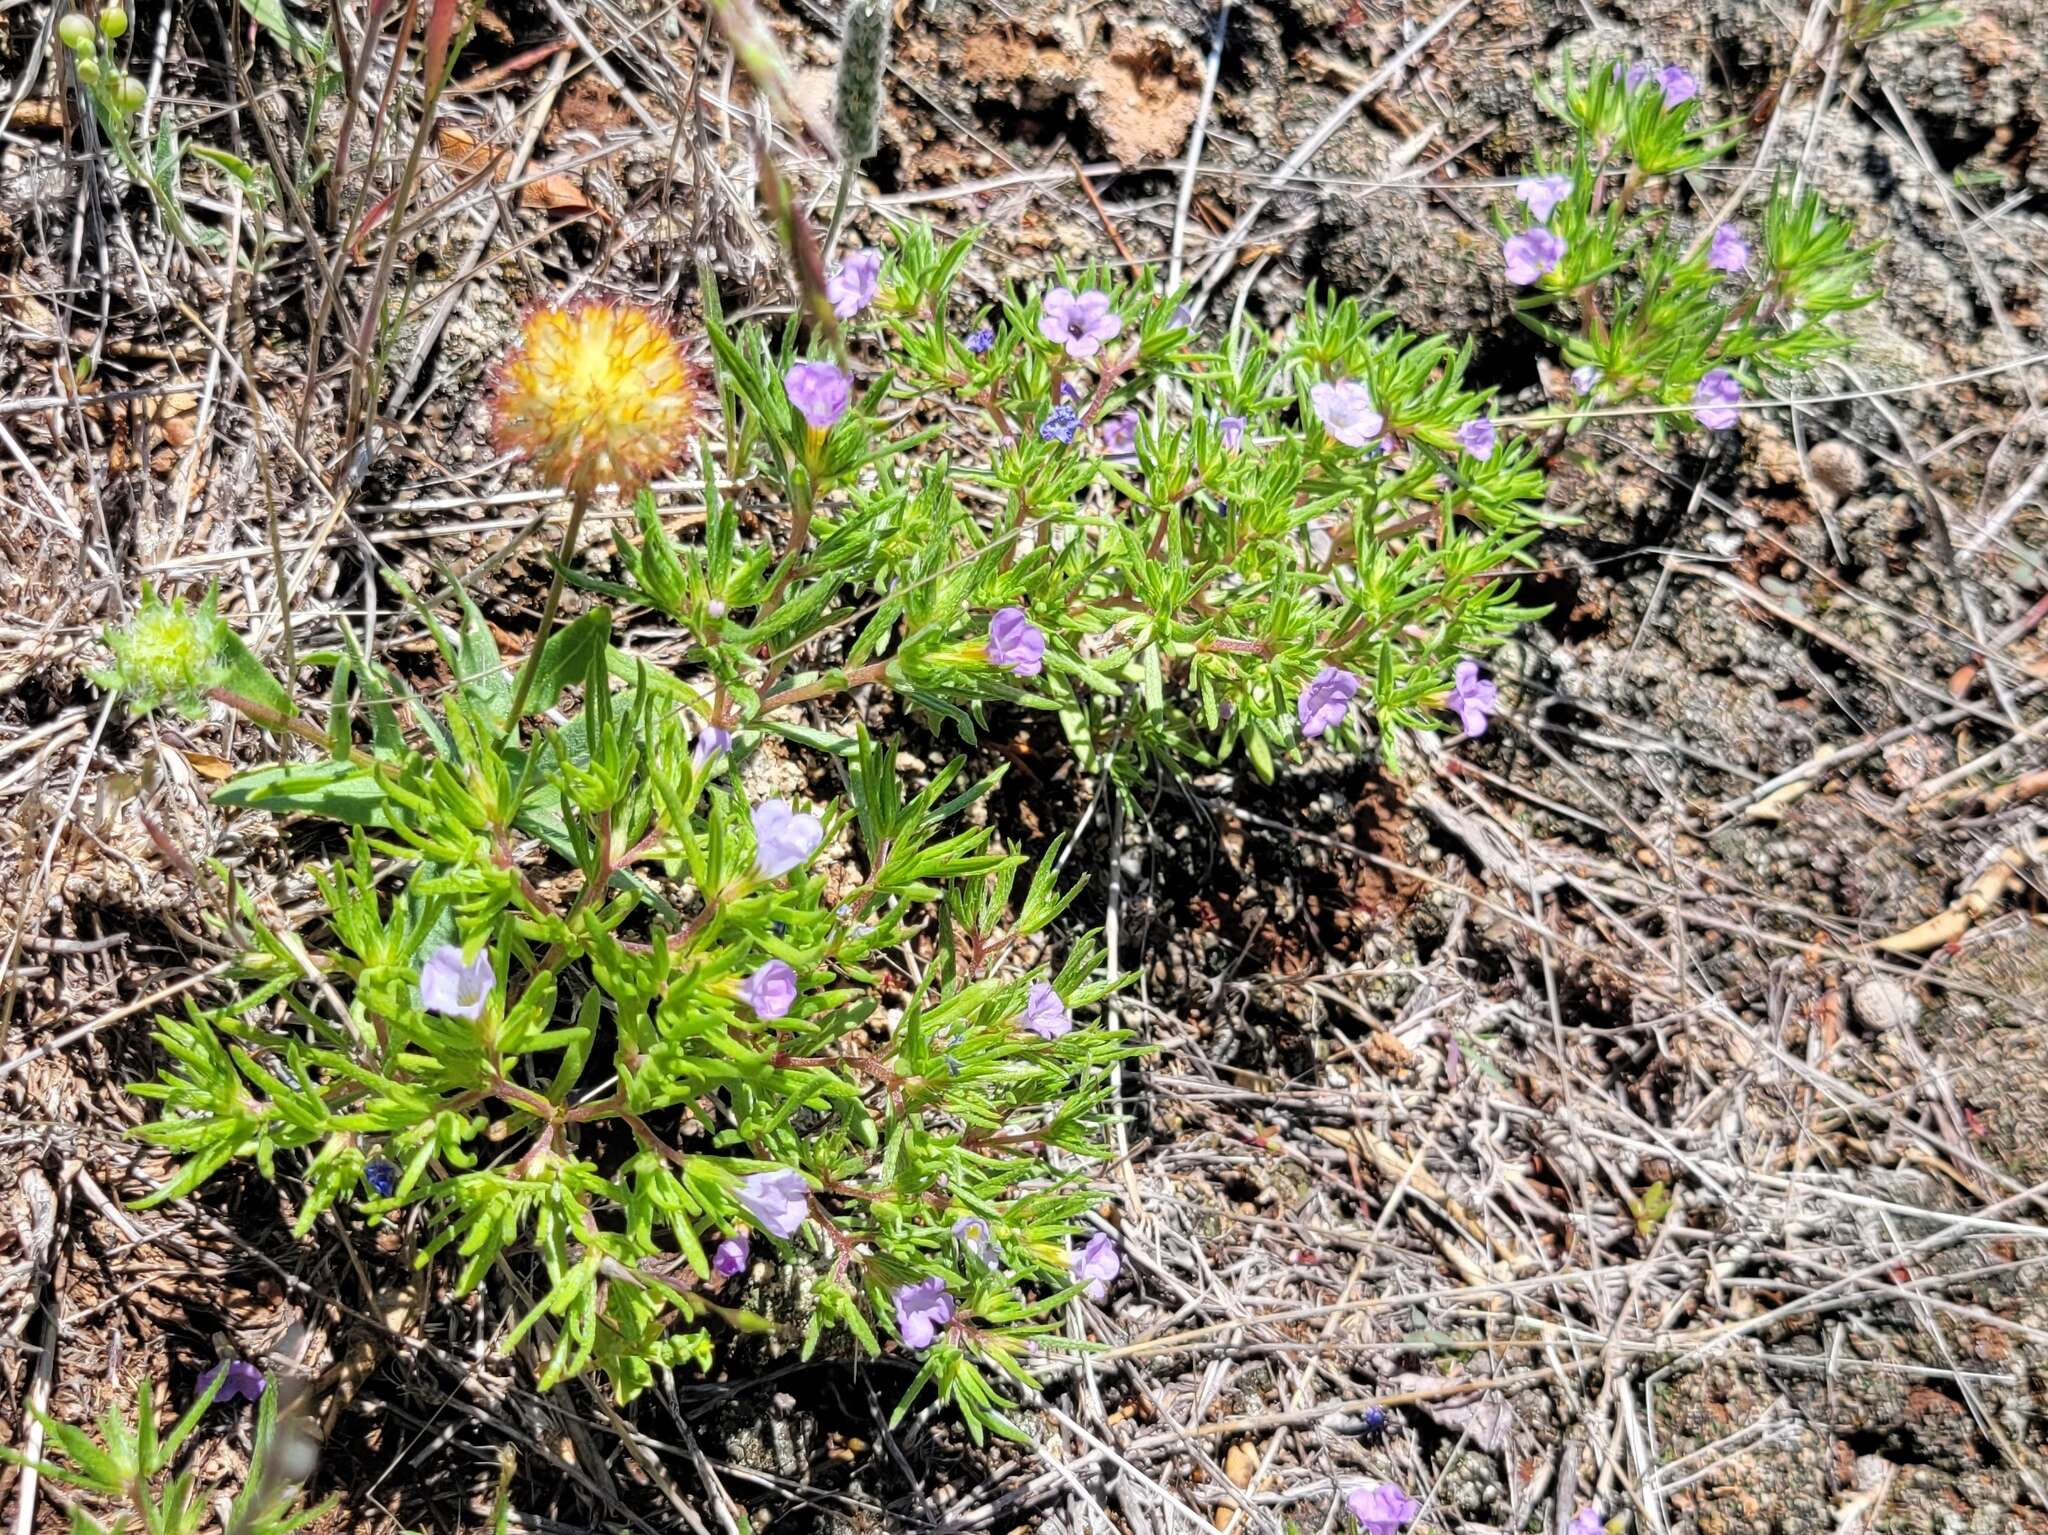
1553, 1100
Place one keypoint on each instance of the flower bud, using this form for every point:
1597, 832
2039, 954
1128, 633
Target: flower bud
113, 22
75, 33
863, 63
88, 70
130, 94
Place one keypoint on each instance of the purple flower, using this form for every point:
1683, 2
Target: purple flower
1345, 409
1587, 1521
1586, 379
1015, 643
711, 740
783, 837
1636, 74
1381, 1508
1080, 322
779, 1200
770, 991
449, 986
1542, 193
1729, 252
1713, 402
730, 1256
852, 287
1060, 425
1183, 316
1069, 390
1044, 1013
1231, 431
1532, 253
1678, 85
921, 1310
1324, 700
1097, 1265
381, 1173
1119, 433
244, 1382
980, 339
972, 1233
819, 391
1472, 697
1477, 437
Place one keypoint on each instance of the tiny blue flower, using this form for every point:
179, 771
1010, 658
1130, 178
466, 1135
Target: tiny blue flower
1061, 425
981, 339
382, 1176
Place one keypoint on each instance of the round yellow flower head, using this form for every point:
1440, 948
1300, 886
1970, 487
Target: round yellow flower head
596, 393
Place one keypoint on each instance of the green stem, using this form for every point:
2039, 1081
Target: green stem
531, 668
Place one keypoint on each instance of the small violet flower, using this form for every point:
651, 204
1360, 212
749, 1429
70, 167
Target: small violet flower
921, 1310
1477, 437
1345, 409
244, 1382
1119, 433
819, 391
972, 1233
730, 1256
1585, 379
1714, 401
1532, 253
1636, 73
449, 986
1678, 85
770, 991
711, 740
1060, 425
783, 837
780, 1200
1015, 643
1381, 1508
1080, 322
1230, 431
852, 288
1729, 252
381, 1173
1324, 699
1097, 1265
980, 339
1045, 1014
1540, 194
1587, 1521
1472, 697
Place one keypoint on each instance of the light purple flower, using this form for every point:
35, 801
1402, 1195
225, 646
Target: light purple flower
783, 837
1345, 409
711, 740
1472, 697
1540, 194
1477, 437
980, 339
1119, 434
770, 991
1060, 424
1588, 1521
1636, 73
1044, 1013
1713, 402
819, 391
1678, 85
1532, 253
244, 1382
1230, 430
1098, 1264
1381, 1508
1070, 391
449, 986
972, 1233
852, 287
1015, 643
1729, 252
730, 1256
1183, 316
921, 1310
1324, 699
1586, 378
1080, 322
780, 1200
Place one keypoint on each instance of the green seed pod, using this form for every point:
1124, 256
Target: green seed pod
75, 33
863, 63
130, 94
113, 22
88, 70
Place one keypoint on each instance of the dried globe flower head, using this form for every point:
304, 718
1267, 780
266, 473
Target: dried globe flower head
596, 393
